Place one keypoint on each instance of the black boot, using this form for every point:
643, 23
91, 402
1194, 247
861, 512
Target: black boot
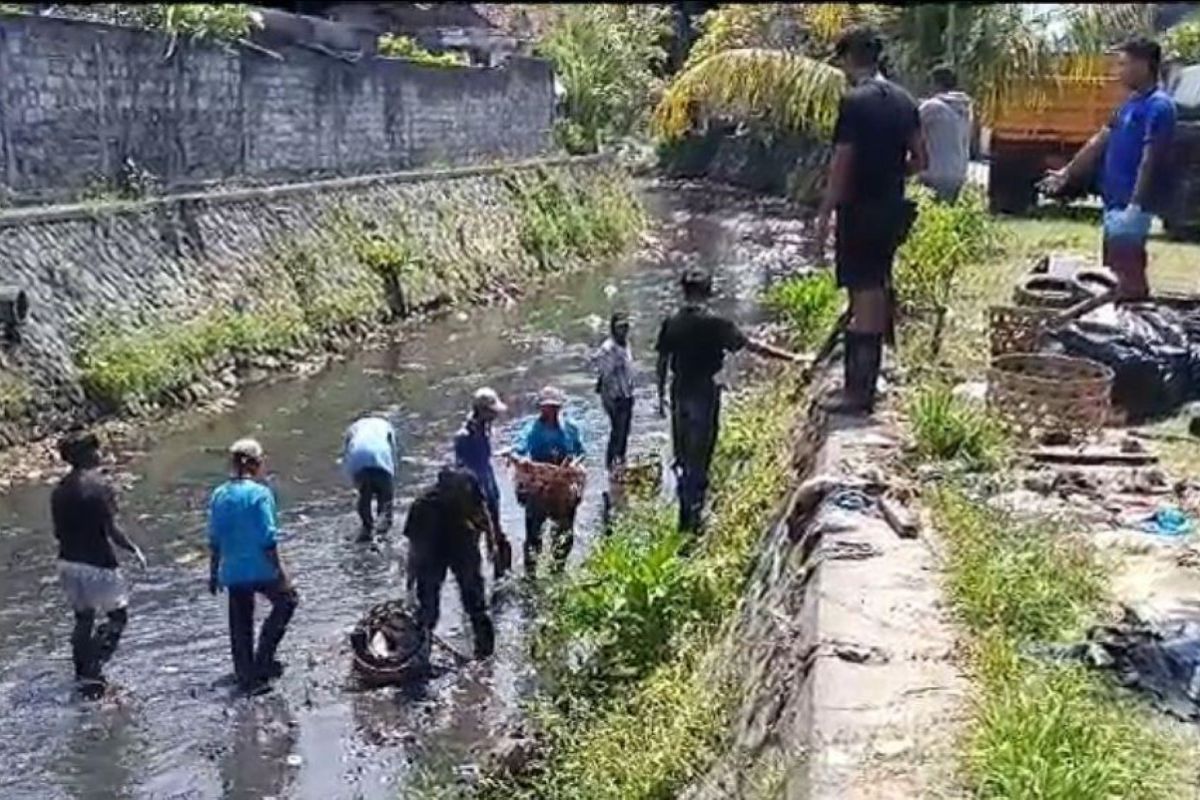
872, 357
484, 634
854, 399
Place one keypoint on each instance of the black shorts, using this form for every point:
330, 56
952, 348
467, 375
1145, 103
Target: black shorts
866, 243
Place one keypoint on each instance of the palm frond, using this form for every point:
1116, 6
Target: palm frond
786, 91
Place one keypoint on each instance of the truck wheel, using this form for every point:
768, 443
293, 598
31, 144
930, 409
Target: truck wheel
1012, 186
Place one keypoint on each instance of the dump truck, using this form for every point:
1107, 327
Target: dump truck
1042, 125
1181, 218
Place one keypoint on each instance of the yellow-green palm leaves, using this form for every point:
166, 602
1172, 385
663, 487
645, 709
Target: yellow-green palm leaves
786, 91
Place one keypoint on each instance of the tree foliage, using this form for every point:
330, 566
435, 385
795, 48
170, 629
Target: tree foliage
607, 57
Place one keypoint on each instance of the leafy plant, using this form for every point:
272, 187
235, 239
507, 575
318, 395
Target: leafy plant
945, 238
1182, 42
809, 304
948, 428
392, 45
15, 395
607, 57
203, 21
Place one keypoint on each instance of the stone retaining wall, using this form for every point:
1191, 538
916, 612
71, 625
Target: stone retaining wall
77, 99
277, 257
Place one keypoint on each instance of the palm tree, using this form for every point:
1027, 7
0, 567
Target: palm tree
750, 64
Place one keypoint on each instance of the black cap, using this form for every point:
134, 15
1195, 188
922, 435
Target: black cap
695, 279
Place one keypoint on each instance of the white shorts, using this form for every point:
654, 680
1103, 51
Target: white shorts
91, 588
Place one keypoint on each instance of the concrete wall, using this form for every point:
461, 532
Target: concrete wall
154, 264
77, 99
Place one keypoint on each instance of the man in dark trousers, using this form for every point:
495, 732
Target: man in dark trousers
692, 344
443, 529
877, 143
1133, 152
245, 560
84, 510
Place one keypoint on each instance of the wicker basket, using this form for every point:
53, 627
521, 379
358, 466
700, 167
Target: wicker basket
1050, 393
1017, 329
555, 489
387, 646
640, 478
1045, 291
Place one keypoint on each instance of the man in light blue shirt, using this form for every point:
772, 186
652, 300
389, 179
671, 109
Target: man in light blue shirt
548, 439
245, 561
369, 458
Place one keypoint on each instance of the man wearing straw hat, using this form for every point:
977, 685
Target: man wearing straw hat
550, 438
473, 451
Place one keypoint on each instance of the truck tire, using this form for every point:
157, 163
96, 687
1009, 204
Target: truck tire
1012, 185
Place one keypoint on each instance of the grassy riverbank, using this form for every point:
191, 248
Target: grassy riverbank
628, 643
1035, 728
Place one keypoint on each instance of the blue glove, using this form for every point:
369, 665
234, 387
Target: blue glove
1129, 224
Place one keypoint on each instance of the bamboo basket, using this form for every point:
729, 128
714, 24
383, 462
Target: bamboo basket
555, 489
1050, 393
1044, 291
386, 646
640, 478
1017, 329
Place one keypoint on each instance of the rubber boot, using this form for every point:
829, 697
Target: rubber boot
871, 360
484, 634
854, 399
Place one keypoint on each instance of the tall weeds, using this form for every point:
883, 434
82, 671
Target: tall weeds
808, 304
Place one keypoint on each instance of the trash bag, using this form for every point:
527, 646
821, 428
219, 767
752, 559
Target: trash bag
1162, 660
1156, 366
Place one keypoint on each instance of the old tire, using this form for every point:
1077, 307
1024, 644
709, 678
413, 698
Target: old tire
1012, 186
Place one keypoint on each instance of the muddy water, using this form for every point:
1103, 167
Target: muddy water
174, 729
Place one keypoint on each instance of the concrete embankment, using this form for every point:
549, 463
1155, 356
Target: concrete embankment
841, 655
168, 301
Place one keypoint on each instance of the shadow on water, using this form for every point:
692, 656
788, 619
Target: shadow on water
174, 729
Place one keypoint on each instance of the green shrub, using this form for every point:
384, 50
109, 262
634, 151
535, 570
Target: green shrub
809, 304
15, 395
220, 21
947, 428
396, 46
945, 238
606, 56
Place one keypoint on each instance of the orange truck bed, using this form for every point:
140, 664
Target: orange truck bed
1042, 124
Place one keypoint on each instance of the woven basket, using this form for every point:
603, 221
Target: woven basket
1050, 393
640, 478
1017, 329
386, 646
1045, 291
557, 490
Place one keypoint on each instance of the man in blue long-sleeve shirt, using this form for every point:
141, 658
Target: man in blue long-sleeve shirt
548, 439
473, 452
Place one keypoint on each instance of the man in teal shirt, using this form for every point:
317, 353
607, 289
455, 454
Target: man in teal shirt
245, 561
548, 439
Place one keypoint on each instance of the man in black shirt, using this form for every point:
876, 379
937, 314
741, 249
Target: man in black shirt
877, 143
83, 507
692, 344
443, 529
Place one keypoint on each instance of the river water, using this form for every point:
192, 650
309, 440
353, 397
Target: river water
173, 728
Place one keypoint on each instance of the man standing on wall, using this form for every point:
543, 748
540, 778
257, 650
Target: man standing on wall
946, 127
1135, 174
369, 459
692, 344
83, 507
877, 142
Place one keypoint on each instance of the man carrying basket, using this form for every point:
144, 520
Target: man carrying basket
549, 439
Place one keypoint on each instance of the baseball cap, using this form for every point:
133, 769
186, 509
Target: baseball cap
551, 396
487, 398
248, 449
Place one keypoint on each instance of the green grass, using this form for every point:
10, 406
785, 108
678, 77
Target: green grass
1041, 729
947, 428
808, 304
633, 711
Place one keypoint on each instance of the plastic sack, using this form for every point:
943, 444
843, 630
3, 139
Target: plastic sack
1156, 367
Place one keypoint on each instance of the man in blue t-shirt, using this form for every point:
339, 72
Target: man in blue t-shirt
369, 459
1135, 173
549, 438
245, 562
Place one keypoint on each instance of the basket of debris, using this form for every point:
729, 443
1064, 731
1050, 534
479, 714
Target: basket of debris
556, 489
1050, 392
388, 646
1017, 329
1048, 291
640, 478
